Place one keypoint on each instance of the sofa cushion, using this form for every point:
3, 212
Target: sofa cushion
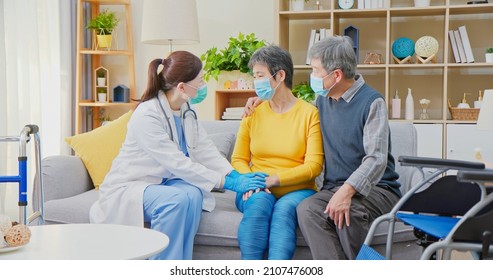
224, 142
99, 147
220, 227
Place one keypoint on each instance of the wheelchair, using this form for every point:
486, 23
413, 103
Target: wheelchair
435, 207
473, 232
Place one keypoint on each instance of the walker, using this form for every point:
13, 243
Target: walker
21, 179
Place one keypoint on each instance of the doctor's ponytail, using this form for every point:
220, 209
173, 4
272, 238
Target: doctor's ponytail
165, 74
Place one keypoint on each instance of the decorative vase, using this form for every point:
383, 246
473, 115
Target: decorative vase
409, 113
421, 3
424, 114
297, 5
489, 57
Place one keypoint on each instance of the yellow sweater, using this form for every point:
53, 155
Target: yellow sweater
288, 145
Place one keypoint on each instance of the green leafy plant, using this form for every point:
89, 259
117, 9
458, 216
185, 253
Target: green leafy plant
304, 91
101, 90
102, 116
104, 23
489, 50
233, 57
100, 74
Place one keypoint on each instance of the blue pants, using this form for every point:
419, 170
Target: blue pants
174, 208
269, 222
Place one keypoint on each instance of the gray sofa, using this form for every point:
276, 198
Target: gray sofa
69, 193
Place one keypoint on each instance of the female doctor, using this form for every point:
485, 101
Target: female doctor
167, 166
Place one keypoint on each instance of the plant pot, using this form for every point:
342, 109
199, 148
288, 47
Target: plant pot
297, 5
104, 41
102, 97
234, 80
101, 82
489, 57
421, 3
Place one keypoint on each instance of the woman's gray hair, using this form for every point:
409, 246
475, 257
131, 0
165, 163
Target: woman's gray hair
274, 58
336, 52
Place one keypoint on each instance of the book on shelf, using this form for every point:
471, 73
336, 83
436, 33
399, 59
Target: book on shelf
315, 36
453, 44
467, 45
460, 48
361, 4
232, 113
311, 41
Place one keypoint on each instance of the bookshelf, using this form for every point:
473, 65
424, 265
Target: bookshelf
90, 59
379, 28
226, 98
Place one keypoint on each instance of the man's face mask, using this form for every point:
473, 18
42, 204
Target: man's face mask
317, 84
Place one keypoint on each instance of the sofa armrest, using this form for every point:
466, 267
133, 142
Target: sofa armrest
64, 176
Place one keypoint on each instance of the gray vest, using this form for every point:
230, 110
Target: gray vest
342, 125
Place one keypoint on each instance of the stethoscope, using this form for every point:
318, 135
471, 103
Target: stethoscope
188, 118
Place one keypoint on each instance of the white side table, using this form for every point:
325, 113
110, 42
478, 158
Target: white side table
89, 242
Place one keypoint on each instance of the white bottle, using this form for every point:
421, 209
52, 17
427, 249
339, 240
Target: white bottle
409, 114
477, 103
396, 106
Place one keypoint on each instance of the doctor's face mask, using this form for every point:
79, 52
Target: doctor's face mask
201, 94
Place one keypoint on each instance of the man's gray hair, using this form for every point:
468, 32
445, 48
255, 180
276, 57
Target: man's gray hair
336, 52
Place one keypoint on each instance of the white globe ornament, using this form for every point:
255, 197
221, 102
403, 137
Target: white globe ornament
426, 46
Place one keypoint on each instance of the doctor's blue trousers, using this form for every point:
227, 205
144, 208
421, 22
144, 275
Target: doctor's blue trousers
174, 208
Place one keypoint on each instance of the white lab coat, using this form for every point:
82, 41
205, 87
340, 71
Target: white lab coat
146, 157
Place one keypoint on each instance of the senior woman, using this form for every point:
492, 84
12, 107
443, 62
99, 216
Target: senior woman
281, 138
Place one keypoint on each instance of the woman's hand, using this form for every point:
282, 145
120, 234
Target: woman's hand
270, 181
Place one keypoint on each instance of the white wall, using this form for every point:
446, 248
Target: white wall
218, 20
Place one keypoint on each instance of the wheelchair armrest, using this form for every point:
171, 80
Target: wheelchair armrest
479, 176
440, 163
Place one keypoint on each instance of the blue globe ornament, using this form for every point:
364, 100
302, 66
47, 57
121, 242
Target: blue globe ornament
403, 47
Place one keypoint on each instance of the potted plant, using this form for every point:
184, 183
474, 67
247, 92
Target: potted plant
102, 94
489, 55
103, 117
233, 57
304, 91
103, 24
101, 79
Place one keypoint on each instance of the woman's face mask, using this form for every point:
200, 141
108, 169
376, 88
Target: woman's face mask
201, 94
317, 84
264, 89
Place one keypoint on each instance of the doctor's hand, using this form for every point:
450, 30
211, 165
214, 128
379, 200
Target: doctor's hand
250, 106
245, 182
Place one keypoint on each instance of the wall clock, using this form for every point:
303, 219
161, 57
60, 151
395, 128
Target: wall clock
346, 4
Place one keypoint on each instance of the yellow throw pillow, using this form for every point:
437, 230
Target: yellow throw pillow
98, 148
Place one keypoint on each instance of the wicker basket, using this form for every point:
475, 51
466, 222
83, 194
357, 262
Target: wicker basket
464, 114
